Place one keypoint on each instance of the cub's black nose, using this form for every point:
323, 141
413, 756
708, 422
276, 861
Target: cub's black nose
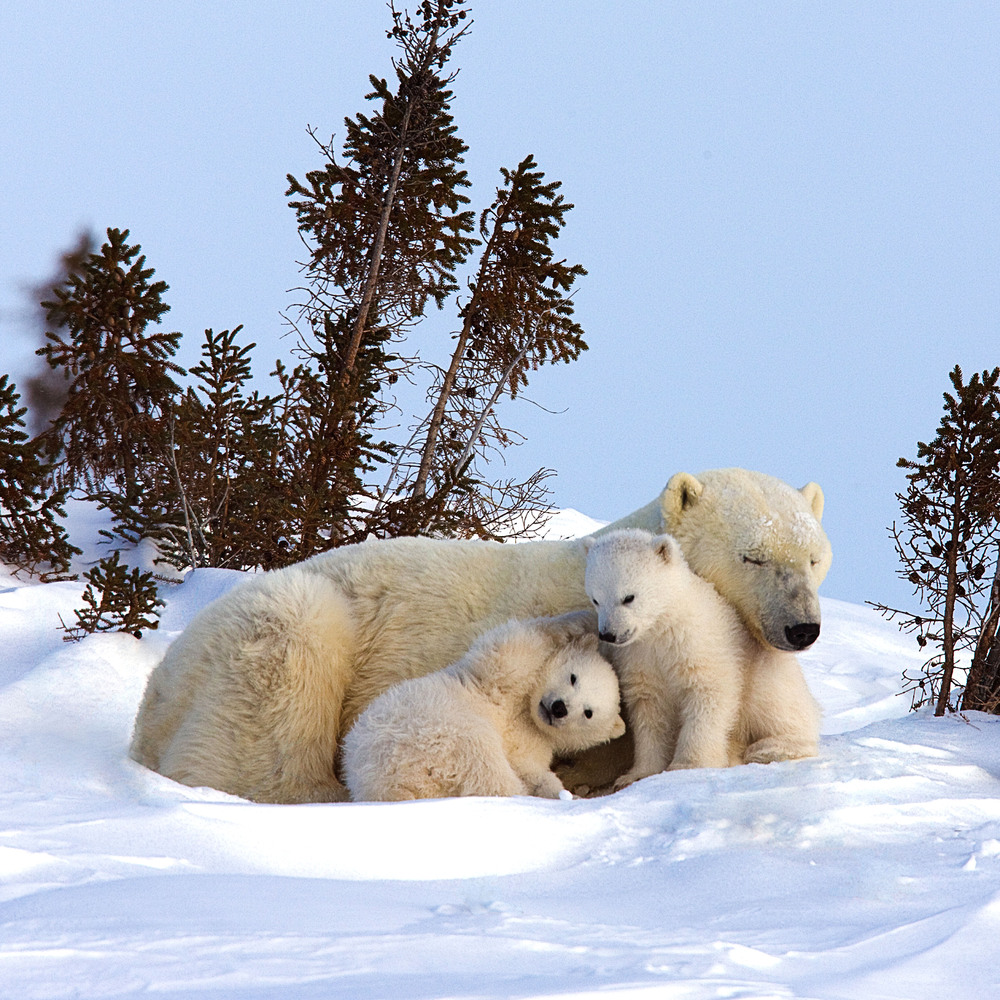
802, 635
608, 637
559, 709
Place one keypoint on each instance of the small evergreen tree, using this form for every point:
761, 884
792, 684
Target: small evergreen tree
120, 372
948, 545
117, 600
31, 537
214, 469
386, 230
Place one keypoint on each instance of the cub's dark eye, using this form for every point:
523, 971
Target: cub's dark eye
596, 605
588, 713
753, 562
629, 599
572, 679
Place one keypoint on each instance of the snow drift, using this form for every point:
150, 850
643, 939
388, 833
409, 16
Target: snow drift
872, 871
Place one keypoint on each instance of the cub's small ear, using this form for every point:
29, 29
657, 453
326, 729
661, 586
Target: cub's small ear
571, 625
814, 497
666, 547
681, 494
618, 729
588, 542
588, 642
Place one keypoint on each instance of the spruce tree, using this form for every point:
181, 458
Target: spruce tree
386, 231
31, 537
120, 371
948, 542
219, 470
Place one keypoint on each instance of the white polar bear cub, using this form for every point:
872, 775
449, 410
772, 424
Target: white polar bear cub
699, 689
490, 723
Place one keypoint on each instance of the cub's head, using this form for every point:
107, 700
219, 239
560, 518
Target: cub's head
577, 700
759, 542
628, 580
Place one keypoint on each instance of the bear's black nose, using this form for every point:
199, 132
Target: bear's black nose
559, 709
802, 635
608, 637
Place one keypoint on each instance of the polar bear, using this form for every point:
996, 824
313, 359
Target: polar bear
699, 689
255, 695
491, 723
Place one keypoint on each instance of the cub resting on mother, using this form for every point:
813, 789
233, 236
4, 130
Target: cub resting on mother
255, 695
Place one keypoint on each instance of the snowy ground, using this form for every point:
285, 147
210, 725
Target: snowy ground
870, 872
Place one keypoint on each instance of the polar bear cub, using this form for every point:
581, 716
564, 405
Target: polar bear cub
698, 688
491, 723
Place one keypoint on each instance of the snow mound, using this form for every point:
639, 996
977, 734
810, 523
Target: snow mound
871, 871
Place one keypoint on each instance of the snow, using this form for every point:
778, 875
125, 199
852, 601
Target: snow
872, 871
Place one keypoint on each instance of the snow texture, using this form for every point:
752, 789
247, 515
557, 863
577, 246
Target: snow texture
870, 872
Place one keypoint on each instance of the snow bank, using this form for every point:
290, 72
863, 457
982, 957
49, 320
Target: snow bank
872, 871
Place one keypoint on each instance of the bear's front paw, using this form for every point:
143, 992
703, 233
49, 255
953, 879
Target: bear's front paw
629, 778
546, 787
773, 749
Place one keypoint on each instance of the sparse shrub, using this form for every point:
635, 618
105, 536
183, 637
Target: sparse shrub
117, 600
948, 549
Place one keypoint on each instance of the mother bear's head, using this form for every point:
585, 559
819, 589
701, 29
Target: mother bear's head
759, 542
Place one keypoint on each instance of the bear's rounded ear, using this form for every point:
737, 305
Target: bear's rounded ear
571, 625
682, 493
814, 497
618, 729
588, 542
666, 547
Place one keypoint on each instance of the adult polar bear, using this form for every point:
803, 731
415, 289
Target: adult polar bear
253, 697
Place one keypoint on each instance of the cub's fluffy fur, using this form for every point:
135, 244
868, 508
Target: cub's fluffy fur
490, 723
699, 689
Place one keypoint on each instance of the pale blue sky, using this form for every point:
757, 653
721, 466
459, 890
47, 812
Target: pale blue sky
789, 211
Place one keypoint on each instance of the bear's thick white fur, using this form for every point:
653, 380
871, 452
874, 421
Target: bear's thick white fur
490, 723
254, 697
699, 689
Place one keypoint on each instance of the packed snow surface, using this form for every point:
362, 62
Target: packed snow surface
872, 871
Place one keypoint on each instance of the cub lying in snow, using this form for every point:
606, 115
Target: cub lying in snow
699, 690
490, 723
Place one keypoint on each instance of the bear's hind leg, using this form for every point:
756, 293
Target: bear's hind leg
264, 723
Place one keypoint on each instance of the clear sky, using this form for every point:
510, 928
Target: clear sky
789, 211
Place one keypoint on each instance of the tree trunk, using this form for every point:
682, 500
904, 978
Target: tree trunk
484, 416
948, 630
371, 282
448, 384
981, 689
